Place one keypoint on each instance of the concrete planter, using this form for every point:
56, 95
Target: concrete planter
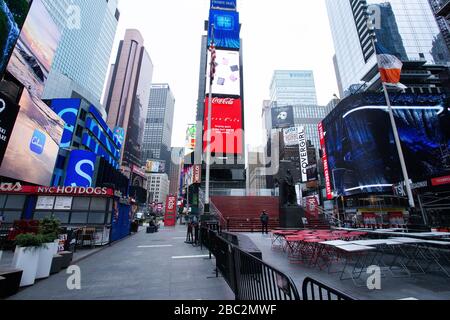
26, 259
46, 254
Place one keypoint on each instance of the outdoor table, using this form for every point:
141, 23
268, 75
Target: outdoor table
351, 251
278, 238
437, 253
414, 254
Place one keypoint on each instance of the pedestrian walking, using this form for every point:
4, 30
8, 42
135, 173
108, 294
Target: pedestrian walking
265, 222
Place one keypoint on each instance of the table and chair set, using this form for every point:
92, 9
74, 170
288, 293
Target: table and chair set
351, 253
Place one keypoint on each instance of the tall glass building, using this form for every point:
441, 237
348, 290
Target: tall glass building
85, 47
408, 29
158, 129
291, 87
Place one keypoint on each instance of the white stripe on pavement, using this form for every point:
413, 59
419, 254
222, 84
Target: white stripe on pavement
191, 257
157, 246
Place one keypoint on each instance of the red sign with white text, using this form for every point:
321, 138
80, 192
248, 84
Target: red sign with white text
17, 188
226, 123
440, 181
326, 168
170, 217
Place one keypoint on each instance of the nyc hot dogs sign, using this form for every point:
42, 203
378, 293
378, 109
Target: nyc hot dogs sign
71, 191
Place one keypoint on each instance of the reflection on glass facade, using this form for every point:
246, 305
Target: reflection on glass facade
310, 116
409, 28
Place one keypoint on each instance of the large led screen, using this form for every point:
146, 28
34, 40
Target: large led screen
67, 109
227, 80
12, 17
226, 29
33, 55
360, 148
226, 123
34, 143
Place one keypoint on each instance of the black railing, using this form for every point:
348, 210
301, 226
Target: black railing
252, 279
315, 290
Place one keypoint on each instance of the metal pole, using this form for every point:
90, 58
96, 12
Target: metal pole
397, 140
399, 149
208, 139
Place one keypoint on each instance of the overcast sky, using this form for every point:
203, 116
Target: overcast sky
282, 34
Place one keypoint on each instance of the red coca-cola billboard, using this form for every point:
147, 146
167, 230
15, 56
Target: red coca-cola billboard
226, 123
170, 217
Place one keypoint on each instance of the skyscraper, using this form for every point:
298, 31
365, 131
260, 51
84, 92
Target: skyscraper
441, 9
128, 93
409, 31
81, 61
158, 127
291, 87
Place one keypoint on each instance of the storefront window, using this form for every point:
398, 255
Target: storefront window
11, 216
40, 215
96, 218
98, 204
81, 204
2, 201
15, 202
79, 217
63, 217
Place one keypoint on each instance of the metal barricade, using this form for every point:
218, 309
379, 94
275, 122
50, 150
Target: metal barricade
315, 290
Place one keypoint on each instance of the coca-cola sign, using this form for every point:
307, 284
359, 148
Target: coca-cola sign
226, 101
226, 123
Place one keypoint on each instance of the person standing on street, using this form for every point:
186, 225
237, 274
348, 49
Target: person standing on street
265, 222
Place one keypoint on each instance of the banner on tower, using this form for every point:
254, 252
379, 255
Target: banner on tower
224, 4
227, 80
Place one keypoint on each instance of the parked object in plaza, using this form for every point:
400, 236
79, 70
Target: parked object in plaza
67, 257
57, 264
11, 283
26, 257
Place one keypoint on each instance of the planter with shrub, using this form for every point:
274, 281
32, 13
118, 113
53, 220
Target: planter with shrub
49, 230
26, 256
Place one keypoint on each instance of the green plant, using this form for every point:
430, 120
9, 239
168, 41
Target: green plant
30, 240
49, 229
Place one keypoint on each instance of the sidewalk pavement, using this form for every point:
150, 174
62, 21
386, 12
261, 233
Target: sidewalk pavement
156, 266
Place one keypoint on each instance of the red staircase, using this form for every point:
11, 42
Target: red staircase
318, 223
241, 214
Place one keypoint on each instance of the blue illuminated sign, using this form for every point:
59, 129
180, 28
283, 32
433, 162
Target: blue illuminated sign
67, 110
223, 4
226, 29
81, 168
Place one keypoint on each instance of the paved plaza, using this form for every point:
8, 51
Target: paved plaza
142, 267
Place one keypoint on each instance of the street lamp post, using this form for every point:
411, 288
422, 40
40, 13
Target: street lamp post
207, 210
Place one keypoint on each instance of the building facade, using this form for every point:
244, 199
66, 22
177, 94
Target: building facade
441, 9
83, 61
176, 167
128, 92
289, 87
159, 123
157, 187
411, 36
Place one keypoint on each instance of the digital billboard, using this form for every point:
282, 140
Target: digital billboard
12, 17
34, 143
155, 166
223, 4
191, 136
360, 149
33, 54
227, 80
80, 169
227, 126
282, 117
8, 115
67, 110
226, 29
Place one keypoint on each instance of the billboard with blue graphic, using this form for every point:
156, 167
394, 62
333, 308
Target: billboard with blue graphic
360, 148
67, 109
226, 29
81, 168
224, 4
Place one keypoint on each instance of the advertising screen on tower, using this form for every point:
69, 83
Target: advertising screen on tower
8, 116
227, 80
282, 117
360, 148
223, 4
67, 110
33, 55
12, 17
226, 122
81, 168
226, 29
34, 143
